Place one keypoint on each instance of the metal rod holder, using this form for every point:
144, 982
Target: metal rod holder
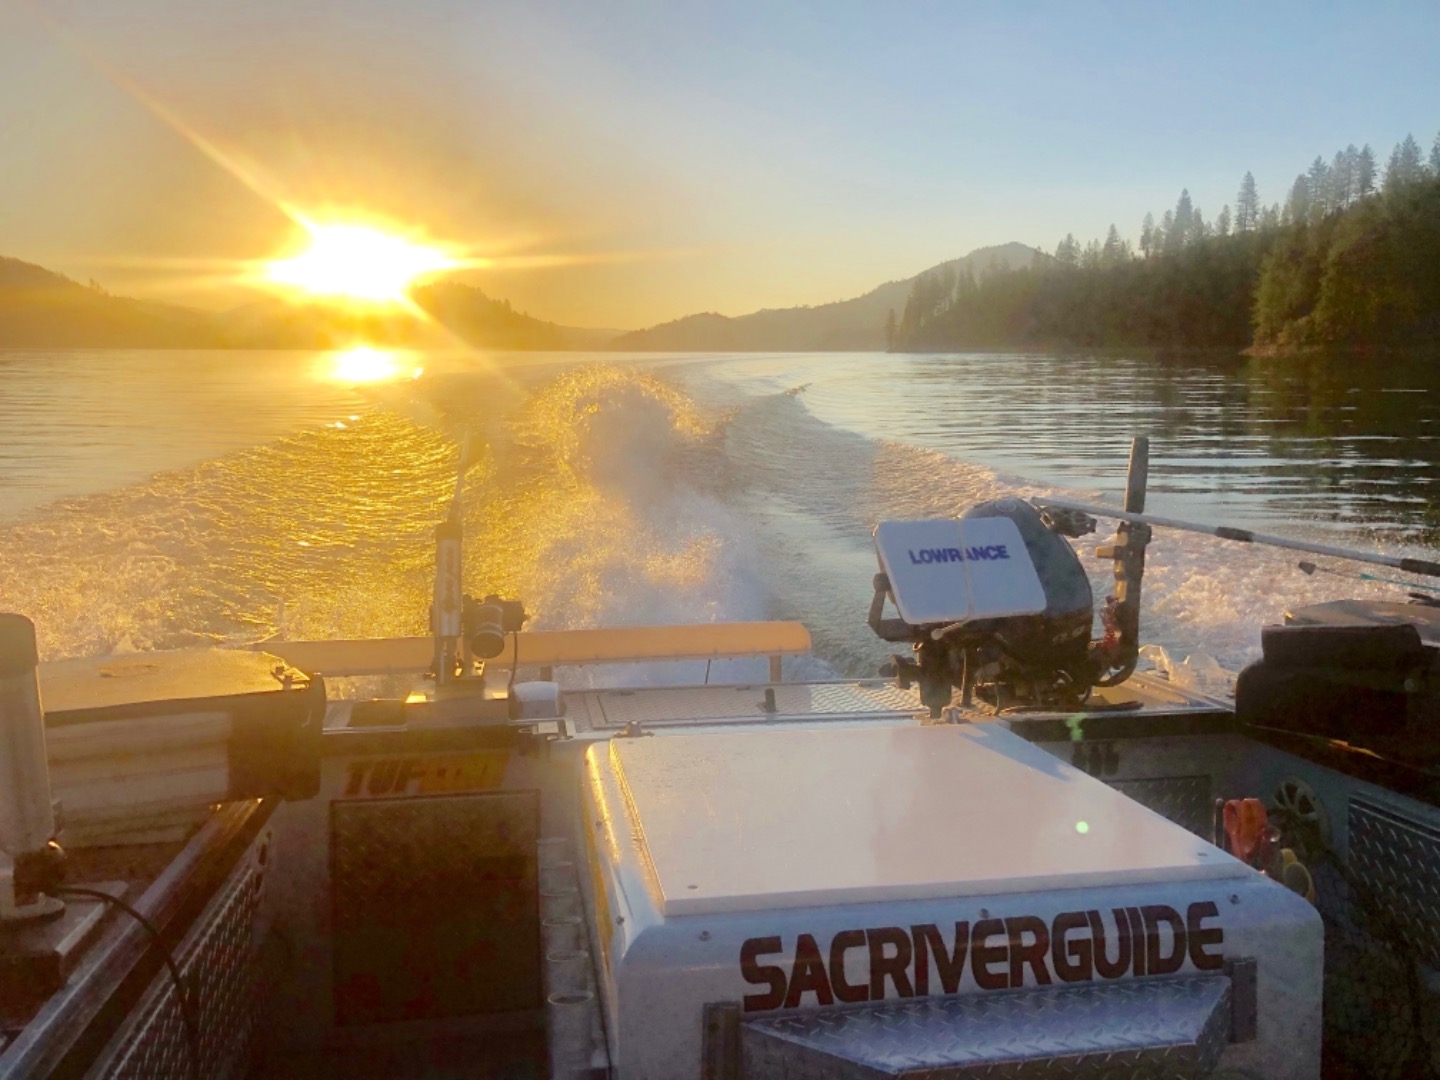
27, 814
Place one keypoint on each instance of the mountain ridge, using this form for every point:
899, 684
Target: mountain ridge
40, 308
854, 325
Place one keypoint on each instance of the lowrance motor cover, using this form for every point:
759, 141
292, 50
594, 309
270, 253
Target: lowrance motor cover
949, 571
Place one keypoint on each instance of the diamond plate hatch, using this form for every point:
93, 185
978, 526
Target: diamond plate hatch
436, 906
1398, 860
1185, 800
1151, 1027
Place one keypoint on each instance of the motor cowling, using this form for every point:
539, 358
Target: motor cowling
1059, 638
1014, 632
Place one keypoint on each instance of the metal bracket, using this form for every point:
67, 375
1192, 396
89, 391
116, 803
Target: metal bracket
720, 1042
1244, 999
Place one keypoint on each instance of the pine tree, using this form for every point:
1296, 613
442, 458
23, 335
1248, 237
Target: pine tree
890, 329
1297, 205
907, 319
1222, 221
1405, 166
1181, 225
1435, 156
1392, 170
1270, 216
928, 297
1199, 230
1111, 252
1342, 177
1317, 183
1147, 235
947, 285
1068, 251
1411, 161
1247, 205
1166, 230
1365, 172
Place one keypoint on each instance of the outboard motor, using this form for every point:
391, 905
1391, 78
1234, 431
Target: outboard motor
1058, 638
1009, 623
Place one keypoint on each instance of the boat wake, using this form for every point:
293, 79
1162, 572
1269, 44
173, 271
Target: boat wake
606, 496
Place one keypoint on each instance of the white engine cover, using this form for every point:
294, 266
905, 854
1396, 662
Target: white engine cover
810, 869
954, 571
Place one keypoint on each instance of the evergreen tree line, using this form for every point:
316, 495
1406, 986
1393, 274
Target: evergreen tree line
1351, 258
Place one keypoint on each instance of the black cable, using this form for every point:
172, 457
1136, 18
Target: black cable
187, 1017
514, 662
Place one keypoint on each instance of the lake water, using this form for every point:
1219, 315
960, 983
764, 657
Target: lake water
160, 499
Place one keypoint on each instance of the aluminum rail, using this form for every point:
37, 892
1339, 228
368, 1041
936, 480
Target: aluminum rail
45, 1045
1424, 567
555, 648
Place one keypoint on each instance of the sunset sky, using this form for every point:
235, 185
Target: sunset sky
630, 163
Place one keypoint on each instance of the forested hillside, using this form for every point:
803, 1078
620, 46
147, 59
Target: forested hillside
38, 307
43, 309
1351, 259
863, 323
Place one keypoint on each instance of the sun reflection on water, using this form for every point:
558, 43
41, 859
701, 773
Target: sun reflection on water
365, 364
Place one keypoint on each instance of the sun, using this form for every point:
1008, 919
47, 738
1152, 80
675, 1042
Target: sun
357, 262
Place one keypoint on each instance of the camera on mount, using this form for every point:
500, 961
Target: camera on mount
484, 623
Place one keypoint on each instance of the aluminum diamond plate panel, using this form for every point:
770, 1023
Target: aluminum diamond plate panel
729, 704
1398, 860
1369, 1019
1150, 1027
218, 962
435, 901
1381, 914
1185, 800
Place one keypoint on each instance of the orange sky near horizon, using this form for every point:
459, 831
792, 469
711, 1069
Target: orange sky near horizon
167, 169
624, 164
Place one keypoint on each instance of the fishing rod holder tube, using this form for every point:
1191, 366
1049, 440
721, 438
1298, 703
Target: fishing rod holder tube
447, 602
1117, 653
27, 815
464, 628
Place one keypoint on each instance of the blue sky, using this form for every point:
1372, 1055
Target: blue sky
652, 159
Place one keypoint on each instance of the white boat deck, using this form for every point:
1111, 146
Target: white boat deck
801, 818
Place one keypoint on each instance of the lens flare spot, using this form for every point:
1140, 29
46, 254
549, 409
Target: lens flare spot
1082, 827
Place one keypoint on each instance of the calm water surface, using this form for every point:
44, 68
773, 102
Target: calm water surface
153, 499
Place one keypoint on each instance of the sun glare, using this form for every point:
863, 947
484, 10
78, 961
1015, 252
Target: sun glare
357, 262
364, 364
